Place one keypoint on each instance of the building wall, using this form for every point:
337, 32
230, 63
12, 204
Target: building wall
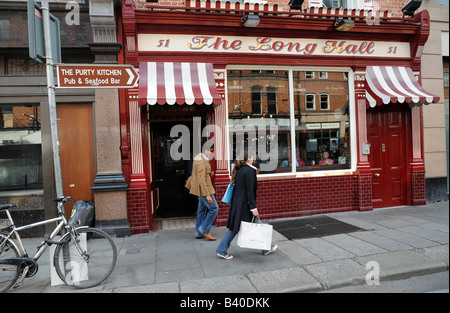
289, 196
435, 132
91, 38
22, 82
283, 198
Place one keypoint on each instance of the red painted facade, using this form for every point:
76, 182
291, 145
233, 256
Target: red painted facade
284, 196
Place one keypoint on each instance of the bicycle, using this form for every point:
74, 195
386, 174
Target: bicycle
84, 256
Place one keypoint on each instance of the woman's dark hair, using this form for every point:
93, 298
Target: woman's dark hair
238, 163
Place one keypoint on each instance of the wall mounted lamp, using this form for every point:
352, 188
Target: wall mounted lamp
343, 25
250, 20
410, 8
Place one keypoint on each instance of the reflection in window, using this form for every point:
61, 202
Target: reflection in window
310, 100
260, 119
267, 130
324, 101
256, 99
271, 100
325, 129
20, 147
24, 66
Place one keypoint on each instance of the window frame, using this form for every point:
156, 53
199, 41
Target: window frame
29, 121
312, 75
352, 119
257, 90
328, 101
313, 101
322, 73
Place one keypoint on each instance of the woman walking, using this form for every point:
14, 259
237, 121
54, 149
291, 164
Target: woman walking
243, 204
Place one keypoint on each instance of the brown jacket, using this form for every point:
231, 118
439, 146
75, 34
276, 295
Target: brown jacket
199, 184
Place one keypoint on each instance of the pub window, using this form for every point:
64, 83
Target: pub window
20, 147
318, 141
266, 134
325, 130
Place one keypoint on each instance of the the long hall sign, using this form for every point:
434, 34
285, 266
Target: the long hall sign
301, 47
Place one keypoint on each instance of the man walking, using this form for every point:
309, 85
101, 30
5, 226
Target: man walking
200, 185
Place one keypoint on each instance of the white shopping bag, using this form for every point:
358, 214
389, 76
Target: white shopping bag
255, 236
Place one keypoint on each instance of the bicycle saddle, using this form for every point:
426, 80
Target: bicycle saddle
7, 206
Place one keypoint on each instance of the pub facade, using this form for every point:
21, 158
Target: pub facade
330, 99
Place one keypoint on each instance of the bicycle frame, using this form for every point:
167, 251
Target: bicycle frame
15, 231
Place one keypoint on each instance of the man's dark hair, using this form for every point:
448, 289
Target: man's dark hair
207, 145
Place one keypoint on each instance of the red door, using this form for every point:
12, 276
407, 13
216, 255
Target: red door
388, 156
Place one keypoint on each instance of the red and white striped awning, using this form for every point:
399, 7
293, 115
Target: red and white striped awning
387, 84
181, 83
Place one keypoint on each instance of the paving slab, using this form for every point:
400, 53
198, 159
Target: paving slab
131, 274
439, 253
354, 245
158, 288
227, 284
426, 232
381, 241
359, 222
401, 264
338, 273
393, 222
324, 249
409, 239
297, 253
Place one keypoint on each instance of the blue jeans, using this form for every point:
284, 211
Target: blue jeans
226, 242
206, 214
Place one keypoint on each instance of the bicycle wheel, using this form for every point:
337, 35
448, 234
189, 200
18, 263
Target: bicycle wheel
87, 261
8, 272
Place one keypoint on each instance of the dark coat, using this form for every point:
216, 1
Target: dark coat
244, 198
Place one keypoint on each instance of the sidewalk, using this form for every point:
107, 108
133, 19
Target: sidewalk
405, 241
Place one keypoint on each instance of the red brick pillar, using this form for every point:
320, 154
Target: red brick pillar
363, 183
417, 166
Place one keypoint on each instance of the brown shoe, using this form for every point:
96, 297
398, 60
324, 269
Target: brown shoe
209, 236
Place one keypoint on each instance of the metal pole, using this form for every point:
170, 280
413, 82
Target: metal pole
52, 99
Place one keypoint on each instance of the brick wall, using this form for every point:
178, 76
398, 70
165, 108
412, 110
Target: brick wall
138, 215
282, 198
364, 192
418, 196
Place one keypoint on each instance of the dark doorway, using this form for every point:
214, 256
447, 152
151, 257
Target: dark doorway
172, 154
174, 198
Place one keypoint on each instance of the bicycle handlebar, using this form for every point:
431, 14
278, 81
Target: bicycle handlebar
63, 199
